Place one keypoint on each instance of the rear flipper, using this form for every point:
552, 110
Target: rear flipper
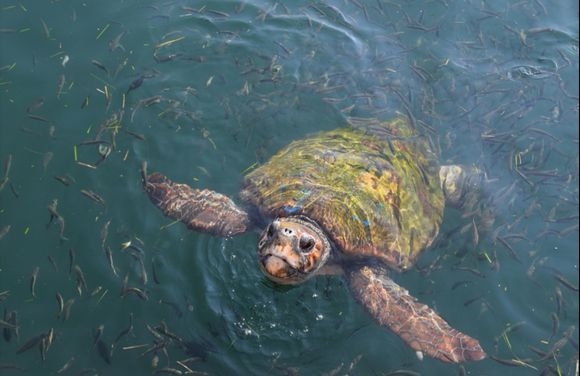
462, 185
201, 210
418, 325
467, 189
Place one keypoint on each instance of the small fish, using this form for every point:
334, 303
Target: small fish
559, 344
471, 270
94, 142
115, 43
14, 321
4, 294
154, 272
166, 58
109, 255
4, 230
98, 334
152, 100
512, 252
54, 215
139, 251
6, 324
137, 291
46, 158
100, 65
104, 234
93, 196
39, 118
33, 279
120, 67
103, 351
43, 347
66, 309
173, 305
537, 351
60, 302
136, 135
71, 260
470, 301
134, 347
143, 272
168, 371
9, 366
143, 171
559, 300
60, 85
124, 284
66, 366
35, 105
555, 325
49, 338
565, 282
97, 290
32, 342
9, 323
53, 263
136, 84
85, 102
403, 372
513, 327
45, 29
7, 166
474, 234
63, 180
125, 331
13, 190
87, 165
507, 362
216, 13
460, 283
569, 229
81, 281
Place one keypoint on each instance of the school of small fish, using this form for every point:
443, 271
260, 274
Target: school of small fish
519, 117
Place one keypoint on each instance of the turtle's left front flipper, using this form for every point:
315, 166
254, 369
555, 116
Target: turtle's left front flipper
418, 325
201, 210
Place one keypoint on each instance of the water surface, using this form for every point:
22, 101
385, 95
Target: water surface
204, 91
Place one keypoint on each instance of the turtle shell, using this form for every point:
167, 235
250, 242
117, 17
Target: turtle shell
376, 194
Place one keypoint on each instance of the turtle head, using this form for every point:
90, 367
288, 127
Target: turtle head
292, 250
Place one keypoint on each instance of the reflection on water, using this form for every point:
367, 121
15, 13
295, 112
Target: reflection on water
204, 93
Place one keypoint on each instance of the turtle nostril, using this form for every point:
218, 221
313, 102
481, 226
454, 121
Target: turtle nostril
306, 243
287, 231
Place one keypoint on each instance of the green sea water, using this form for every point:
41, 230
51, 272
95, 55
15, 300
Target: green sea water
204, 91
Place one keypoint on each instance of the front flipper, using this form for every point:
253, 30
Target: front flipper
418, 325
201, 210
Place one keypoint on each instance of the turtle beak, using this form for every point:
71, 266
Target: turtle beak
277, 257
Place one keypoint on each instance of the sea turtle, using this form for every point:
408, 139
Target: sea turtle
363, 199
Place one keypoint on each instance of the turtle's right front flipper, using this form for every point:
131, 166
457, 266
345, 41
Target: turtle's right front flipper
417, 324
201, 210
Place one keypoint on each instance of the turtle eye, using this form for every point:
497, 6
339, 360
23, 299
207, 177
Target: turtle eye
306, 243
270, 231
